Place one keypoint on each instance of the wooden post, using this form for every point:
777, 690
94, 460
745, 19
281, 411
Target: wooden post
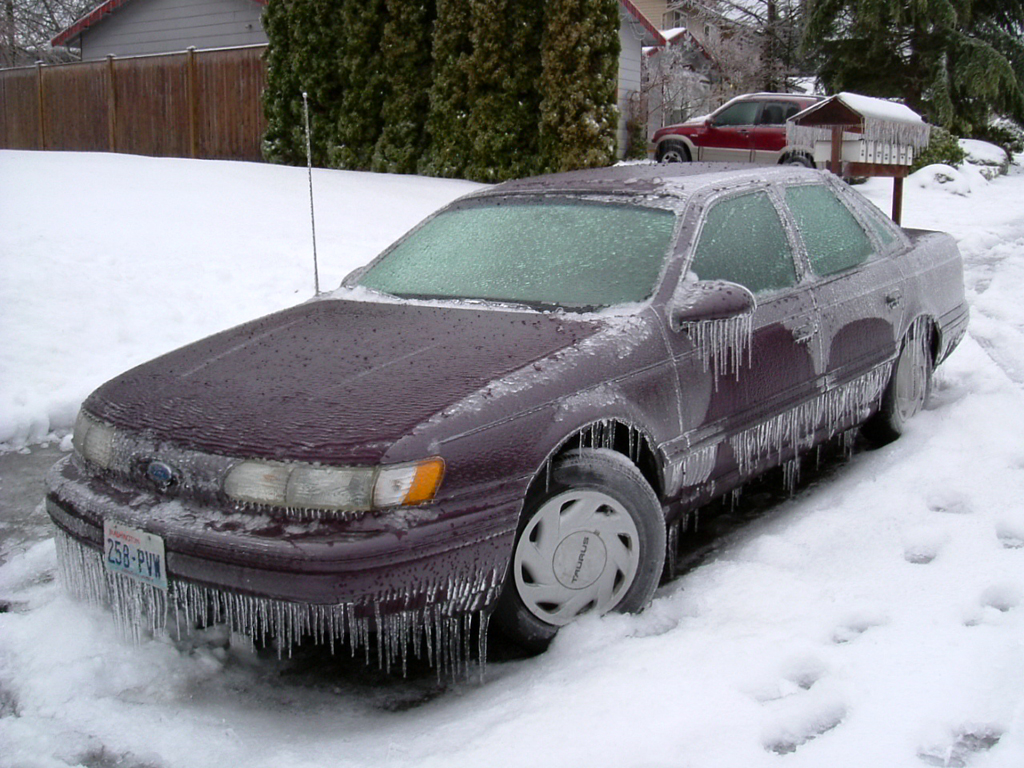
897, 199
40, 95
111, 105
837, 150
193, 106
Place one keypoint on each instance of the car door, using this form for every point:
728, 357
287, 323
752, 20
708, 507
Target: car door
742, 239
857, 288
768, 136
729, 133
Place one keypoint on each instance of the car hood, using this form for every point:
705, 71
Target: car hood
332, 381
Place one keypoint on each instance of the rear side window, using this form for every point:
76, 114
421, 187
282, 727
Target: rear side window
880, 227
834, 238
743, 241
775, 113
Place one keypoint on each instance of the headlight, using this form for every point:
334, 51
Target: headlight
94, 440
306, 486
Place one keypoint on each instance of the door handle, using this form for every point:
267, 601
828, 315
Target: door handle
894, 299
804, 334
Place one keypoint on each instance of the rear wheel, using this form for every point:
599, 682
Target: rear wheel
801, 160
673, 152
592, 541
907, 391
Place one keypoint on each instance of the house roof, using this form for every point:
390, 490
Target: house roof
638, 15
95, 16
680, 35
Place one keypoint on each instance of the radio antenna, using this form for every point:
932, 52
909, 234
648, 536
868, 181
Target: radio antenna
309, 169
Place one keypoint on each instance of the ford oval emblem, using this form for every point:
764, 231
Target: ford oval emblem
161, 474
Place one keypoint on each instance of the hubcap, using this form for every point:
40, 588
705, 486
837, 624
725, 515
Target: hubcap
911, 379
578, 554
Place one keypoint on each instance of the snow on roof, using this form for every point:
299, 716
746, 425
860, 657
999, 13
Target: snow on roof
881, 109
638, 15
678, 35
875, 119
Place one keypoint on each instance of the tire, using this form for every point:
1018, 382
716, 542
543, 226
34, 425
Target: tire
673, 152
801, 160
907, 391
592, 541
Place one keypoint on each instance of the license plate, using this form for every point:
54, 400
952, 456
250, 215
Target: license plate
134, 553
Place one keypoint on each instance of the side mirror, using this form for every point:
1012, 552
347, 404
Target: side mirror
710, 300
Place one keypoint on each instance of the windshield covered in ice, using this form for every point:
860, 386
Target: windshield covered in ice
573, 253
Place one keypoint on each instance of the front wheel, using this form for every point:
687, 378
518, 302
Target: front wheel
592, 541
907, 391
673, 152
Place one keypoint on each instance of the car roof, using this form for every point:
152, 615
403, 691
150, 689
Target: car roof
778, 95
638, 180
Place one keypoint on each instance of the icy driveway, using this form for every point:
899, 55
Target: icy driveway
874, 620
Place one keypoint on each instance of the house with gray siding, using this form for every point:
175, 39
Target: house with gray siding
636, 32
140, 27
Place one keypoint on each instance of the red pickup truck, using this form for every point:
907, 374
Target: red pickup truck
747, 129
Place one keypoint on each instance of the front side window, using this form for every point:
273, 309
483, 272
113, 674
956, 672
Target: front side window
834, 238
743, 241
742, 113
571, 253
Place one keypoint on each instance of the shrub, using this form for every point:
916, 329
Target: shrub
943, 147
1003, 133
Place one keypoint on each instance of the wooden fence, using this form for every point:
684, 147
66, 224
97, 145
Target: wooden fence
204, 104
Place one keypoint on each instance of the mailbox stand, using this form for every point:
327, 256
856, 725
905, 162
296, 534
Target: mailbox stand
858, 135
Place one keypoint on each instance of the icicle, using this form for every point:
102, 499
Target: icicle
832, 411
791, 474
443, 627
734, 498
698, 464
723, 344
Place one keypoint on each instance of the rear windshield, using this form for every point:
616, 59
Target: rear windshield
576, 254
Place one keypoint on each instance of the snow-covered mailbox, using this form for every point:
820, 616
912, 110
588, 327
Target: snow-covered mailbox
857, 135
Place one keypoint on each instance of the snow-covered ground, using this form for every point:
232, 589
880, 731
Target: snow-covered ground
875, 619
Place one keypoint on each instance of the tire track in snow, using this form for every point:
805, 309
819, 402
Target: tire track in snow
994, 281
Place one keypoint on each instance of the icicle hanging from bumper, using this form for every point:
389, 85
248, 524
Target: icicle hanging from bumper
443, 629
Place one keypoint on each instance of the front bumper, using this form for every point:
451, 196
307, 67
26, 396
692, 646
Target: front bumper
273, 576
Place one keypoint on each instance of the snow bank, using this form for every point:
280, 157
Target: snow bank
984, 153
988, 158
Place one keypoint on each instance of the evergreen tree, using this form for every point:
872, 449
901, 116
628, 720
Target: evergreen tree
503, 70
405, 57
580, 59
359, 122
449, 141
304, 37
955, 61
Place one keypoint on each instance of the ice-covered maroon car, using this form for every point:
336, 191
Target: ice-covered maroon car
508, 414
747, 129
